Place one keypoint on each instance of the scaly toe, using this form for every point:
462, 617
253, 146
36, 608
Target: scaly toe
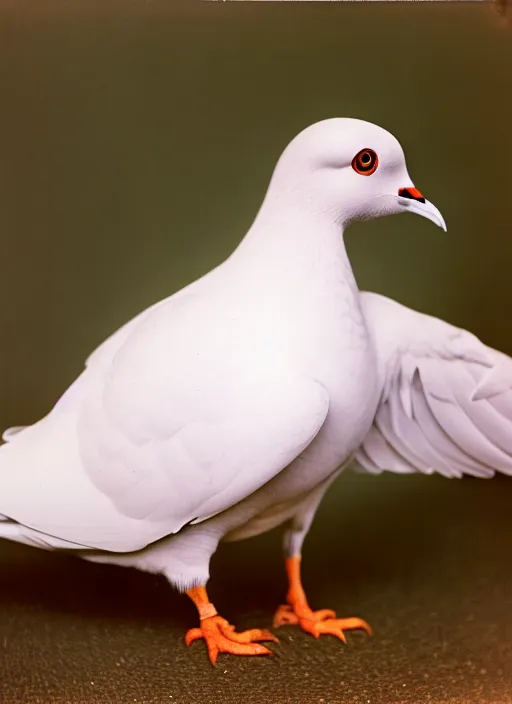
329, 627
333, 626
228, 645
354, 624
193, 634
251, 636
220, 637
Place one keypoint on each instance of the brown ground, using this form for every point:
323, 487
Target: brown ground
425, 560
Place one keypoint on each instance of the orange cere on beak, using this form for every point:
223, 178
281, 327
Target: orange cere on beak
411, 193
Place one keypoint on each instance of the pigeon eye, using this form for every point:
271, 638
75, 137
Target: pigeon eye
365, 162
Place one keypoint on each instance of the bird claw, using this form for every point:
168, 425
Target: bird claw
331, 627
319, 622
220, 637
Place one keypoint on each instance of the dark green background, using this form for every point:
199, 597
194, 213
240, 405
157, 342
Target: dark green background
136, 142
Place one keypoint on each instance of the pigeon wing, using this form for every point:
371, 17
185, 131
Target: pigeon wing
194, 413
446, 404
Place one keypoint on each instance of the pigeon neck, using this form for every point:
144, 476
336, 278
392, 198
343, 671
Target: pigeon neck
296, 248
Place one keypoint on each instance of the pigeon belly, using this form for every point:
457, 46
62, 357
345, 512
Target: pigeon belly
349, 373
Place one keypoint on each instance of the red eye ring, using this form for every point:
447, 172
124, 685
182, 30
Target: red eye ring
365, 162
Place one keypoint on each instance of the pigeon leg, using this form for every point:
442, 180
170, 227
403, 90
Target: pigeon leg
298, 611
219, 635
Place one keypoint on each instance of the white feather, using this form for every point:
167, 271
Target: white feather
446, 404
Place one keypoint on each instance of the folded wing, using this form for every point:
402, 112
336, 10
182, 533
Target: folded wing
192, 414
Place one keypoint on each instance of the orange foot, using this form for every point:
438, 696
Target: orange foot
219, 635
297, 611
318, 622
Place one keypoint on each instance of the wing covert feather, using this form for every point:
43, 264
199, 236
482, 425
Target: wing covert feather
182, 416
190, 421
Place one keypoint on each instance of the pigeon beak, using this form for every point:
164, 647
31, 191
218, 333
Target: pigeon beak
412, 199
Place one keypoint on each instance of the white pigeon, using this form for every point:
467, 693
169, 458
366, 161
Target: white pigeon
230, 407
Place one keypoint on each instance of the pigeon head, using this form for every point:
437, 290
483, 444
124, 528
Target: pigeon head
350, 170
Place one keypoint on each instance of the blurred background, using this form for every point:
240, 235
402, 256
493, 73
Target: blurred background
136, 143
